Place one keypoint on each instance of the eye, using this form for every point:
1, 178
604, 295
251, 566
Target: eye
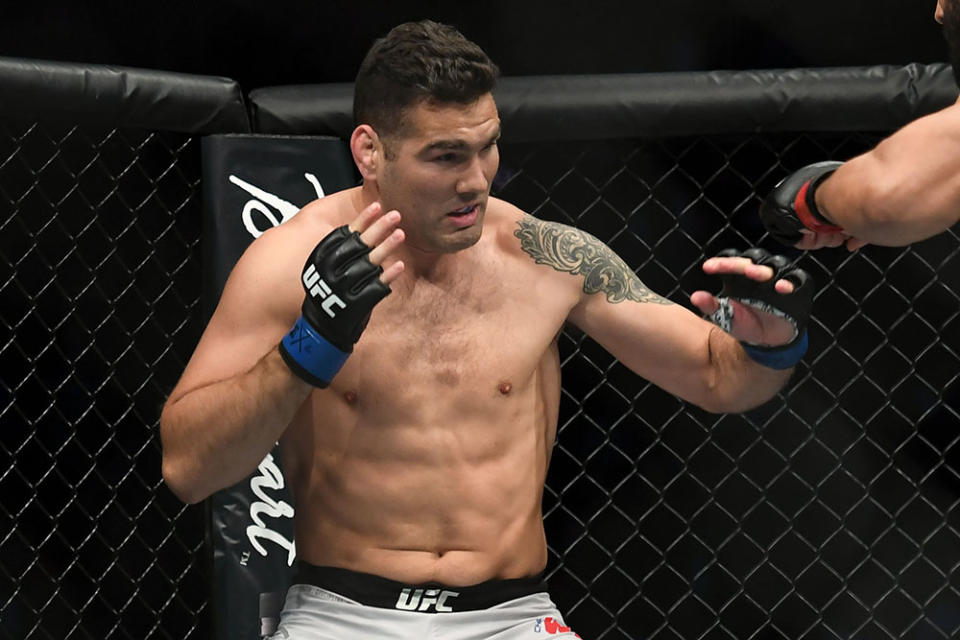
446, 158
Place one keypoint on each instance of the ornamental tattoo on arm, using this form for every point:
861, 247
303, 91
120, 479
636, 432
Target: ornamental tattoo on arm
569, 250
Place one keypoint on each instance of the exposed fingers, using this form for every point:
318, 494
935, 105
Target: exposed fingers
758, 272
392, 272
365, 218
739, 266
380, 229
784, 286
704, 301
726, 265
386, 247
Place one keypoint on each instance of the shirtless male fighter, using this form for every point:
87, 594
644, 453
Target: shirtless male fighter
416, 427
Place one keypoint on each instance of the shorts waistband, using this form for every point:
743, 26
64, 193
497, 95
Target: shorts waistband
430, 597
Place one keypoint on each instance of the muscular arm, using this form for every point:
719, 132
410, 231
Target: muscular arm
215, 435
236, 396
665, 343
904, 190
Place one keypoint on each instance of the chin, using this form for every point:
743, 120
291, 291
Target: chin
464, 239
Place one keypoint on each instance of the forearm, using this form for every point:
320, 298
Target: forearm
217, 434
898, 193
735, 383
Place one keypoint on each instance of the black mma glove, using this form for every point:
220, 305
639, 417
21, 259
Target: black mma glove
794, 307
342, 286
791, 205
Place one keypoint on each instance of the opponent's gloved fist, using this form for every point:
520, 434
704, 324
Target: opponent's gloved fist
342, 286
762, 297
791, 206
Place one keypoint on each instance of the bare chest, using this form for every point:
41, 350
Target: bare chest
469, 335
478, 333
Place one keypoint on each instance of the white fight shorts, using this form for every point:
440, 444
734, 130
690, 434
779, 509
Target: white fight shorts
328, 603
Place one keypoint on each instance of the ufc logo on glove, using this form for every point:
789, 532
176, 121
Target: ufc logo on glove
317, 286
322, 339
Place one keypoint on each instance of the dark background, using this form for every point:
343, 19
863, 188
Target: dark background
262, 43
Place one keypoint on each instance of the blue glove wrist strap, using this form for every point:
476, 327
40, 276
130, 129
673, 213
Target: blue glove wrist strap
309, 355
778, 357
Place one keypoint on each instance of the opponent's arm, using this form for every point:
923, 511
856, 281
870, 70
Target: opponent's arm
240, 389
663, 342
904, 190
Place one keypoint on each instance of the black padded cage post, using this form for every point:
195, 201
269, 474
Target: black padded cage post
831, 512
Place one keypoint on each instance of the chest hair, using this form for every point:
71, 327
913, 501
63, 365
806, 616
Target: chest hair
447, 327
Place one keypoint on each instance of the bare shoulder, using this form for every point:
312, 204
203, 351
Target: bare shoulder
503, 219
268, 272
570, 251
293, 240
262, 296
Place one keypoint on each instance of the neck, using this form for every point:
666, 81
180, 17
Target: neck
430, 265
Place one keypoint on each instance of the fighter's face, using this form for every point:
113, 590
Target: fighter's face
439, 171
948, 14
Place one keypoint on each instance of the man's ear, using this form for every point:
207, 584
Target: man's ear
367, 151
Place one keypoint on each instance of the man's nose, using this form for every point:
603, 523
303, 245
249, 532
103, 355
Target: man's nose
473, 179
938, 13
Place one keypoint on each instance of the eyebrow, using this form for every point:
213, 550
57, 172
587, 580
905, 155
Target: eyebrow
456, 144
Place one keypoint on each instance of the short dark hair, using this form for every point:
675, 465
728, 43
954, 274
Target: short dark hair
418, 61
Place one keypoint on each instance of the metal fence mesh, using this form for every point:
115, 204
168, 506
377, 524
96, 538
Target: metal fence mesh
98, 295
830, 512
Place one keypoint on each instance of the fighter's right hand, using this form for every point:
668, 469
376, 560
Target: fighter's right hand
790, 212
343, 280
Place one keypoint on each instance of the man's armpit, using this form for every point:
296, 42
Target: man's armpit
569, 250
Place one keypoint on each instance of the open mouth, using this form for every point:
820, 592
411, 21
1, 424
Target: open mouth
465, 216
463, 211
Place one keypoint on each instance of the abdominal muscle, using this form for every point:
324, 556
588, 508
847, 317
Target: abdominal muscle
419, 483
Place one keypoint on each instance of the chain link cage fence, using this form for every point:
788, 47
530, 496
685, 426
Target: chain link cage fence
98, 302
830, 512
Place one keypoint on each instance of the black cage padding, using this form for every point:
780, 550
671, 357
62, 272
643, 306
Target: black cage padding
101, 95
658, 105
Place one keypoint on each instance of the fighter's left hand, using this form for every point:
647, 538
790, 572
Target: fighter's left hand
763, 302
